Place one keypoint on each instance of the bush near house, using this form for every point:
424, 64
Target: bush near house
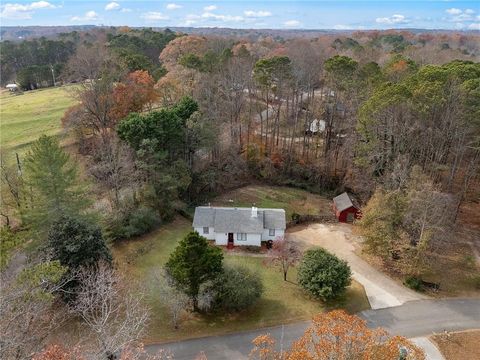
131, 222
236, 288
323, 274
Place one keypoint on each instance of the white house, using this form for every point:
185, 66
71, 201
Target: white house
316, 126
239, 226
12, 87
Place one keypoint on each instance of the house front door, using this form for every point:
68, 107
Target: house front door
350, 217
230, 240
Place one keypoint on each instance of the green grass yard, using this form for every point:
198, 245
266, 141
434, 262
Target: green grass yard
282, 302
264, 196
25, 117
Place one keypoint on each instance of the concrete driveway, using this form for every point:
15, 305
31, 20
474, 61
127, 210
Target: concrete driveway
382, 291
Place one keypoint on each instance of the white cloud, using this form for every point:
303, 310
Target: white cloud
112, 6
210, 8
173, 6
257, 14
41, 5
291, 23
193, 17
154, 16
23, 11
453, 11
89, 16
459, 15
393, 20
189, 22
342, 27
474, 26
125, 10
223, 18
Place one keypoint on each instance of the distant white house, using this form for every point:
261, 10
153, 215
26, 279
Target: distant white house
239, 226
316, 126
12, 87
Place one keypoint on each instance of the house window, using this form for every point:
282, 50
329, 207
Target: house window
241, 237
205, 230
271, 232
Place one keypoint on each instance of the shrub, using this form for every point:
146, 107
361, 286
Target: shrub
236, 288
323, 274
9, 240
132, 222
414, 283
476, 282
296, 218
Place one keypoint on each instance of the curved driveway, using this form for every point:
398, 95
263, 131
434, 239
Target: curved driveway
412, 319
382, 291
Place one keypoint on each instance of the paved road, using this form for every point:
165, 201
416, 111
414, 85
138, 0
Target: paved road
412, 319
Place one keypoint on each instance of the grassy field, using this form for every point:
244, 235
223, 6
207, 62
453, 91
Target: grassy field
25, 117
282, 302
290, 199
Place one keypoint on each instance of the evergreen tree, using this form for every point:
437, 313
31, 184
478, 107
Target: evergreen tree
53, 181
76, 243
193, 262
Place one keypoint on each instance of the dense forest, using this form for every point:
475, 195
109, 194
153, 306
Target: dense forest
164, 121
172, 118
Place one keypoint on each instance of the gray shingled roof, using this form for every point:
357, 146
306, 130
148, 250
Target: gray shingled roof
224, 219
274, 218
204, 216
343, 201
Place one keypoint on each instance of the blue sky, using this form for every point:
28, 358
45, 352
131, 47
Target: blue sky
247, 14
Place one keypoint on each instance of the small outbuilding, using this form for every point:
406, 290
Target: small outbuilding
345, 208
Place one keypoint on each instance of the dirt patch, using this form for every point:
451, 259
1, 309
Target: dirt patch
459, 346
326, 235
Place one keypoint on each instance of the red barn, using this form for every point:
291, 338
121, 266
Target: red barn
344, 208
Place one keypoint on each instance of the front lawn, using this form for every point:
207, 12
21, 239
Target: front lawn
281, 302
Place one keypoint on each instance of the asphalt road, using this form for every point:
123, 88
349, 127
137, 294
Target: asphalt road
412, 319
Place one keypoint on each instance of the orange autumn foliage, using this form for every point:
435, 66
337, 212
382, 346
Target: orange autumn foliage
134, 94
337, 335
58, 352
182, 45
400, 66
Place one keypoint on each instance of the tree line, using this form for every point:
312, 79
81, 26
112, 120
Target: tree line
42, 62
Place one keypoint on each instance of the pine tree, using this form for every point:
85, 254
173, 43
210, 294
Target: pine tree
52, 179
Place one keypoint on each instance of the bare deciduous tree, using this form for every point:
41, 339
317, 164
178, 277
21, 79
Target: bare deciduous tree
284, 254
114, 167
171, 296
29, 312
114, 314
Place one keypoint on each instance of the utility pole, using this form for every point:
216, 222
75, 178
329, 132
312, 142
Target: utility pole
19, 166
53, 75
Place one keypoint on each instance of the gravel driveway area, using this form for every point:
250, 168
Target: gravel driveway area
382, 291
